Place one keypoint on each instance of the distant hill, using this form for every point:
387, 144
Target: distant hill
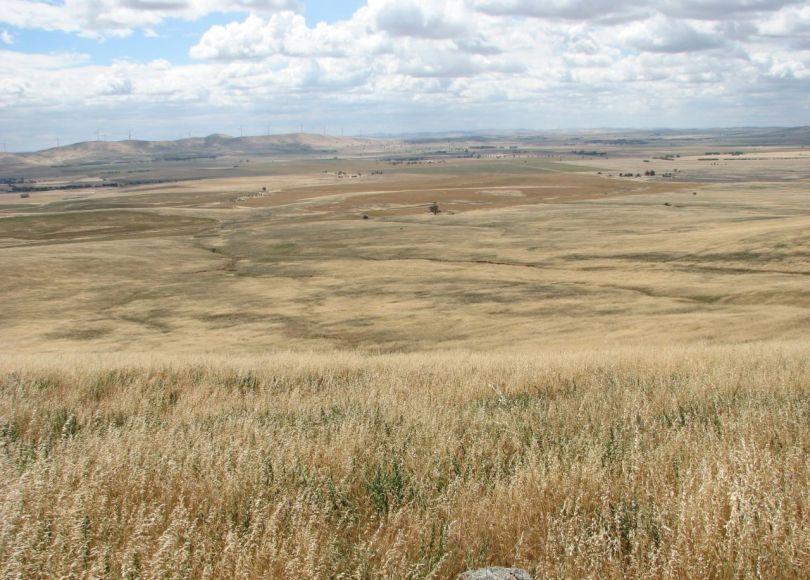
218, 145
212, 146
773, 136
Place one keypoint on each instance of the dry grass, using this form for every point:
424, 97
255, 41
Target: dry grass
474, 442
679, 463
727, 265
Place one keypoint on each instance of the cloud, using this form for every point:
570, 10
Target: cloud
605, 10
792, 22
117, 86
33, 63
593, 10
722, 9
6, 37
419, 18
663, 34
495, 62
452, 65
285, 34
105, 18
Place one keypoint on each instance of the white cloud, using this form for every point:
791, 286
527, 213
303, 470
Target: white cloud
794, 21
102, 18
582, 10
419, 18
285, 34
569, 62
6, 37
722, 9
663, 34
606, 10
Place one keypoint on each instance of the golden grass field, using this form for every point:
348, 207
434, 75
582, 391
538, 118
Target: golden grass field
566, 371
687, 462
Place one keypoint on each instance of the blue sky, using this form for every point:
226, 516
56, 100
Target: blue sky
330, 11
170, 68
174, 39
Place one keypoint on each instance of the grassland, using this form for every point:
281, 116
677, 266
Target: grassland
537, 258
675, 463
568, 371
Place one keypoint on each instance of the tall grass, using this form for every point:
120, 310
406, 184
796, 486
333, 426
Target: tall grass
690, 463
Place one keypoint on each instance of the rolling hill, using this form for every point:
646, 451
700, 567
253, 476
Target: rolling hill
216, 145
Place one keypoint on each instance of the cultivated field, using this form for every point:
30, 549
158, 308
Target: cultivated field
287, 366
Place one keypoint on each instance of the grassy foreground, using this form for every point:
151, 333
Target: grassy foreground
644, 464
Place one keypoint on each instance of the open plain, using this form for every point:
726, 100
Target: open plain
592, 360
534, 249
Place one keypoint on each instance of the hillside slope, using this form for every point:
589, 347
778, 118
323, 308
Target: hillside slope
211, 146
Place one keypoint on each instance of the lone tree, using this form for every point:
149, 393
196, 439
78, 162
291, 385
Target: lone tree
434, 208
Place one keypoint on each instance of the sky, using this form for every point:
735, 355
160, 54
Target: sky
76, 70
